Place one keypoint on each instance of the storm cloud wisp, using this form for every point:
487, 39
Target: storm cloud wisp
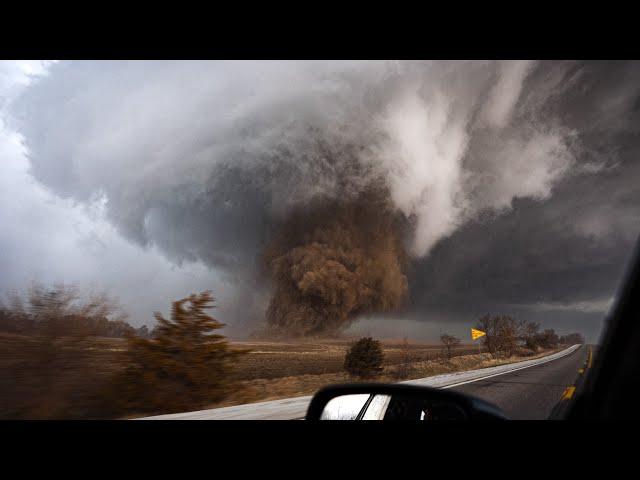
323, 183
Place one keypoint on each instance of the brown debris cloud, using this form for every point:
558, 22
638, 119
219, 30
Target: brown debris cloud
333, 261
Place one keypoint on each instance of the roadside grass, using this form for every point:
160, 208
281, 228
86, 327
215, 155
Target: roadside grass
269, 360
273, 370
263, 389
60, 380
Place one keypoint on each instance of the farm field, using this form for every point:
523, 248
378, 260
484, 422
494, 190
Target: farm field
66, 379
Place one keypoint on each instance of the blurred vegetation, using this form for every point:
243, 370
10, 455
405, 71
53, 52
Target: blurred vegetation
185, 366
55, 363
60, 310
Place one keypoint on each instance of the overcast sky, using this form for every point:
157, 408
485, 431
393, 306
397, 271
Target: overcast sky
152, 180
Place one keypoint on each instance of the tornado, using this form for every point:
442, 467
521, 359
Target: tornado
333, 261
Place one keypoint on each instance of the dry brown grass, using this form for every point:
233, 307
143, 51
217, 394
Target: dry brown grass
271, 359
274, 369
264, 389
61, 380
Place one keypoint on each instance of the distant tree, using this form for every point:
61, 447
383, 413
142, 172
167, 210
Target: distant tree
502, 334
548, 338
575, 338
155, 331
364, 358
185, 365
572, 339
405, 367
529, 335
449, 342
487, 324
143, 332
61, 310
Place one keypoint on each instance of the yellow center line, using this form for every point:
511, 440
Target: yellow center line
590, 360
568, 392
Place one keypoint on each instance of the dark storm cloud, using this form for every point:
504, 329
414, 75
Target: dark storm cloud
559, 261
519, 178
233, 142
569, 248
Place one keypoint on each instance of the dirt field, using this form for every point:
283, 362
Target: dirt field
268, 360
60, 382
431, 363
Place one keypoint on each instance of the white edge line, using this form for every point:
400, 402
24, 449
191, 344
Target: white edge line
546, 360
542, 361
565, 353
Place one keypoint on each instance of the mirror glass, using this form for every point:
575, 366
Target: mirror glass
376, 406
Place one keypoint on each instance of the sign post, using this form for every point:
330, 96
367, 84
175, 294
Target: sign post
475, 334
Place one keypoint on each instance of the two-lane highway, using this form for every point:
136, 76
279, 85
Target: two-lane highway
525, 390
530, 393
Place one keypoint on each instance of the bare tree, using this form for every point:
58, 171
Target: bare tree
572, 338
449, 342
507, 334
530, 334
62, 311
548, 338
405, 367
502, 334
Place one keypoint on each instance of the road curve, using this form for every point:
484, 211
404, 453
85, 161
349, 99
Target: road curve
527, 389
529, 394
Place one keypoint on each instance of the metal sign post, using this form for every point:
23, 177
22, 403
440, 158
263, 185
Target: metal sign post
475, 334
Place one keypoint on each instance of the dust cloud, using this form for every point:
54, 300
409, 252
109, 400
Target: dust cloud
334, 261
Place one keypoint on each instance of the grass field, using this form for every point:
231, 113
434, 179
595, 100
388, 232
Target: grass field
269, 360
425, 360
61, 381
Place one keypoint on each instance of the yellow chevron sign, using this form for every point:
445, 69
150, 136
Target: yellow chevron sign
475, 334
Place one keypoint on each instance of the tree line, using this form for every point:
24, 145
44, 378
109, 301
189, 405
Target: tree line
62, 310
183, 364
504, 334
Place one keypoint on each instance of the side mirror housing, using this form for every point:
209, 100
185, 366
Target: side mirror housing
375, 401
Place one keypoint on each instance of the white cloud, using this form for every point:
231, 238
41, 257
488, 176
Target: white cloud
138, 132
145, 149
48, 239
586, 306
505, 93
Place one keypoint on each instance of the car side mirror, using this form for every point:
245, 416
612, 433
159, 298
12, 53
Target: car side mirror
378, 401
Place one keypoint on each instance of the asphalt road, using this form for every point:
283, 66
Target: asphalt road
534, 386
530, 393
